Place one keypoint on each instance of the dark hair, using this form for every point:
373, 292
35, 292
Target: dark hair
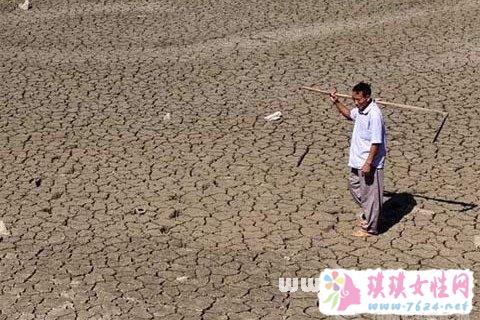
364, 88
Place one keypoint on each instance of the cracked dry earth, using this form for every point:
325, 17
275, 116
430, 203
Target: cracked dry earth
114, 210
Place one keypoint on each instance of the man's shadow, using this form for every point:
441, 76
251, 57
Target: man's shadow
395, 208
399, 205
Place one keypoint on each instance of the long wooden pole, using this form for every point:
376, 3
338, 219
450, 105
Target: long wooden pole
385, 103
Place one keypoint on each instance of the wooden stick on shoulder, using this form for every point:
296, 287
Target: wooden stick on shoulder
385, 103
398, 105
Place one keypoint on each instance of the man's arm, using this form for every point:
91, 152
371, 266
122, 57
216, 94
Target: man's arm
344, 111
367, 166
376, 127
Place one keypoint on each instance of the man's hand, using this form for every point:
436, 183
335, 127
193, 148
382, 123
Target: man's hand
333, 96
366, 168
344, 111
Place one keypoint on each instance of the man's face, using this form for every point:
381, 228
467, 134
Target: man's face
360, 100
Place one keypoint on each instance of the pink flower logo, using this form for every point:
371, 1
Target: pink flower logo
342, 291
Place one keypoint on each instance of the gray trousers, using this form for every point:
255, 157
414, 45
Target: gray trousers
367, 191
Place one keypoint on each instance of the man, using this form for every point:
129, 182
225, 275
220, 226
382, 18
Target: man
367, 156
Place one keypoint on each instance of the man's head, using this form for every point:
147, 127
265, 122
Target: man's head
361, 94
